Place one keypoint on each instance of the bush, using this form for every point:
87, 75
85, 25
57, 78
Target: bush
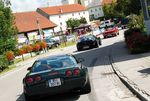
3, 62
43, 44
10, 55
136, 41
21, 51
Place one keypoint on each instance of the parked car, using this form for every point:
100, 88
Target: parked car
111, 31
51, 43
98, 32
106, 23
88, 41
56, 74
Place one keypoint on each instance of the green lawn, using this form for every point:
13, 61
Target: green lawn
11, 67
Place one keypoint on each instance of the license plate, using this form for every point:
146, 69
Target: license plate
54, 82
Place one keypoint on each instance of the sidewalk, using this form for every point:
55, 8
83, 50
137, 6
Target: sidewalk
133, 69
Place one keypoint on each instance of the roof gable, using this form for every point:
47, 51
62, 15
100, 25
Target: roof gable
27, 21
54, 10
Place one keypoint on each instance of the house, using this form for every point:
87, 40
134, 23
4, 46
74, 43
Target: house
60, 14
94, 7
32, 25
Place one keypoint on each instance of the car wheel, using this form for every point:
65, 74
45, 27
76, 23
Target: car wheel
28, 98
57, 45
100, 43
87, 88
96, 45
79, 49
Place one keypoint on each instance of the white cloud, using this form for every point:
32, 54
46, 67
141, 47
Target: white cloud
31, 5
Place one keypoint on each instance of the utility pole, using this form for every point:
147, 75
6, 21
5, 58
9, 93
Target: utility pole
37, 21
146, 15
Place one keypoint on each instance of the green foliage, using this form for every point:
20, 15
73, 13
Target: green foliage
122, 8
83, 20
3, 62
7, 29
72, 23
136, 21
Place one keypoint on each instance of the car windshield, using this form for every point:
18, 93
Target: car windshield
53, 63
85, 38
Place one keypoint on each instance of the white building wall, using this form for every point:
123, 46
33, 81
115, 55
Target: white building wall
62, 18
96, 11
68, 2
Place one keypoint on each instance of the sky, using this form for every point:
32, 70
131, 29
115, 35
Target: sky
31, 5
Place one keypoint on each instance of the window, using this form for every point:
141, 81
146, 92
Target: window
54, 62
79, 13
100, 9
83, 12
72, 14
95, 9
60, 23
59, 16
91, 10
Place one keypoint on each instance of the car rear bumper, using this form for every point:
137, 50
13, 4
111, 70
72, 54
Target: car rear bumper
68, 85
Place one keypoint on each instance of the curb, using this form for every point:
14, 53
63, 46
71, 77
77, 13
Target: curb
141, 94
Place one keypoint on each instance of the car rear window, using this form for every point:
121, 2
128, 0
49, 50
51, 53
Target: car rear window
53, 63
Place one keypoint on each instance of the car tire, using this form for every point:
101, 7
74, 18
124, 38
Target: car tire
57, 45
100, 43
96, 45
79, 49
87, 88
28, 98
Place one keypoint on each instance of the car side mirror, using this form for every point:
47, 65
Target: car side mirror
81, 60
29, 68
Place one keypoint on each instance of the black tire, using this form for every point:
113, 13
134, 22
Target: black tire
28, 98
79, 49
87, 88
57, 45
100, 43
96, 45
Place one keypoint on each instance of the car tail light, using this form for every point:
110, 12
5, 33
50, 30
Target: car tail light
76, 71
29, 80
68, 73
37, 78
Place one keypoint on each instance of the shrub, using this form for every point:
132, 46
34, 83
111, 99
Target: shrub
3, 62
10, 55
136, 41
37, 47
21, 51
43, 44
29, 48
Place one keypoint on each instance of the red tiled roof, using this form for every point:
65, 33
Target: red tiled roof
27, 21
54, 10
107, 2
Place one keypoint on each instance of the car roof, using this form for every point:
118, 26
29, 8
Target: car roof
53, 56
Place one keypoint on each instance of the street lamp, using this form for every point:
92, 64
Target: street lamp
146, 15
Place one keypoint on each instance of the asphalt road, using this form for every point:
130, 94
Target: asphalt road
106, 86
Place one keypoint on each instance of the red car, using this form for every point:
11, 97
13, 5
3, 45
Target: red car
111, 31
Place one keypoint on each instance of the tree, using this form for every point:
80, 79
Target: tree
128, 7
72, 23
122, 8
83, 20
7, 29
